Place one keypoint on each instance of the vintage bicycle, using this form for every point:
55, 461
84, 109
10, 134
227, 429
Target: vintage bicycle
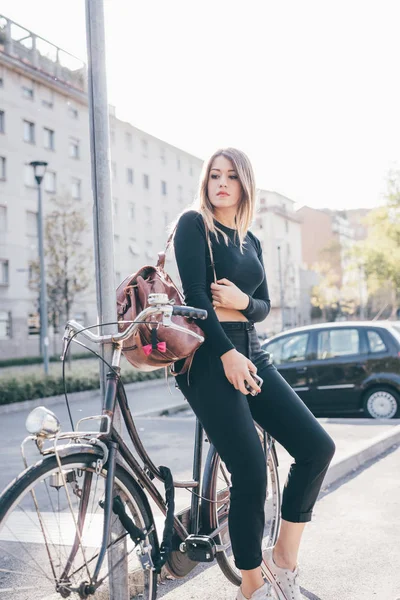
89, 494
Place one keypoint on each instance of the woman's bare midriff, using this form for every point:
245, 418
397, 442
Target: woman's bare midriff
229, 314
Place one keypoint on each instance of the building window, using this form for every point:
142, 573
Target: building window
47, 97
29, 177
73, 148
3, 219
31, 223
4, 279
50, 182
149, 249
178, 163
164, 188
48, 138
2, 121
128, 140
190, 169
286, 226
145, 148
132, 211
146, 183
115, 207
2, 168
147, 215
129, 175
72, 111
134, 247
166, 219
180, 193
113, 171
112, 136
76, 186
262, 202
32, 276
33, 324
116, 243
1, 82
5, 325
27, 92
29, 132
162, 155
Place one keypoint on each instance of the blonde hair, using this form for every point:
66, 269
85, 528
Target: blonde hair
246, 206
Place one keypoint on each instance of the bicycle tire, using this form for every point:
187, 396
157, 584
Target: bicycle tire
272, 510
16, 495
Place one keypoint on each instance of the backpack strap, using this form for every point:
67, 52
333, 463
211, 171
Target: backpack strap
162, 255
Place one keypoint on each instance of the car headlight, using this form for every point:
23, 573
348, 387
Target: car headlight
42, 421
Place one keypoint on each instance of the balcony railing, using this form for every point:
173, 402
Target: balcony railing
32, 50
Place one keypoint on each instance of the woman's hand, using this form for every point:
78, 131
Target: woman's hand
238, 369
226, 294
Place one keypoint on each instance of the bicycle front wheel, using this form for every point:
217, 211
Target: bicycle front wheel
219, 510
43, 556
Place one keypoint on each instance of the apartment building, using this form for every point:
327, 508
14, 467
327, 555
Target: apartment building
322, 230
278, 227
44, 116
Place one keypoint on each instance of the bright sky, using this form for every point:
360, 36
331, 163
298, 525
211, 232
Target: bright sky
309, 90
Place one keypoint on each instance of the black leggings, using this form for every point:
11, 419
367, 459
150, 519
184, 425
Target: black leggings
227, 417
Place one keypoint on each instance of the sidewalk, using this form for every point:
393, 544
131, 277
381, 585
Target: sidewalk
349, 551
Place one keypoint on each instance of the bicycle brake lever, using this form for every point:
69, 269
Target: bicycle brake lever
66, 337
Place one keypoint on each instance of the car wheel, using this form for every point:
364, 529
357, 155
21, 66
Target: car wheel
382, 403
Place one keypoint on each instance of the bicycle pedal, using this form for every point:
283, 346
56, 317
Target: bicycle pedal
200, 548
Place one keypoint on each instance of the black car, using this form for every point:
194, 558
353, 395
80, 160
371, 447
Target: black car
343, 367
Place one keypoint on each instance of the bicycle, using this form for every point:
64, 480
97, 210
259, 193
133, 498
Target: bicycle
89, 493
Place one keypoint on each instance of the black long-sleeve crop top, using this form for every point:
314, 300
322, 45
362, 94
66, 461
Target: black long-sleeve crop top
245, 270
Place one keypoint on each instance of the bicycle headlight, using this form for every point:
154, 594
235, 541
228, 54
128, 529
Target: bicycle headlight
42, 421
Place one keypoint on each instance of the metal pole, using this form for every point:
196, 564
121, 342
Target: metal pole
44, 340
103, 236
282, 300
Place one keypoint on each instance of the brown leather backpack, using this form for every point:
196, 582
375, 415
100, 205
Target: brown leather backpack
155, 346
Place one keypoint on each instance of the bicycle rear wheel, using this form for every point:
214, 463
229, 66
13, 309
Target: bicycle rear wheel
219, 510
38, 532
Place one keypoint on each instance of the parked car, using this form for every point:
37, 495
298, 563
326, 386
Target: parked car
342, 367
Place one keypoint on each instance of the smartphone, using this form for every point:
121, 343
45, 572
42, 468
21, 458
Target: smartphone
258, 381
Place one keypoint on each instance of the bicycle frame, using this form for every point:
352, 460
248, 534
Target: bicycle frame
114, 393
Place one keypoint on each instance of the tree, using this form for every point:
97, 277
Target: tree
325, 297
67, 260
379, 253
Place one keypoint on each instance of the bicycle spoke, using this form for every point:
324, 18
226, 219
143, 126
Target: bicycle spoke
31, 557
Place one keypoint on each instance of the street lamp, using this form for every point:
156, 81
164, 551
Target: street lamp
39, 169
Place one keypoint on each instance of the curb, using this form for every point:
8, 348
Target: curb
74, 397
357, 459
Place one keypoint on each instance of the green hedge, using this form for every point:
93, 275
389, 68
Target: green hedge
29, 387
37, 360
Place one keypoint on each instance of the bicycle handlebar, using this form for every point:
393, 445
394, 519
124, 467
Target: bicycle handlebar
189, 312
159, 303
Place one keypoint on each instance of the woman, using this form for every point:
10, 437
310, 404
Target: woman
215, 386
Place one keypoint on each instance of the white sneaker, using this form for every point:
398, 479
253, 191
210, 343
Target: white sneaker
285, 582
263, 593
